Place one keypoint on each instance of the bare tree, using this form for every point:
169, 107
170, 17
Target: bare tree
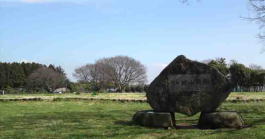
122, 71
258, 6
83, 73
46, 78
93, 73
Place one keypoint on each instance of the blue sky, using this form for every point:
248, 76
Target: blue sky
72, 33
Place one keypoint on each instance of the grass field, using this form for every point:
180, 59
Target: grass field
141, 96
97, 119
81, 95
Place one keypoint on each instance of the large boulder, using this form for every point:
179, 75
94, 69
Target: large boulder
188, 87
215, 120
150, 118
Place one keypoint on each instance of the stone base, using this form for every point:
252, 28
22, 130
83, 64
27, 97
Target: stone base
150, 118
215, 120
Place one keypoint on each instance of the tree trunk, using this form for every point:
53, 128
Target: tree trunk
173, 118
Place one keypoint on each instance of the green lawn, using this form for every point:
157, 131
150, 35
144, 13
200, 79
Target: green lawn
81, 95
233, 95
105, 119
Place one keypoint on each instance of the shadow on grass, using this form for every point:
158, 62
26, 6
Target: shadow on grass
178, 126
186, 126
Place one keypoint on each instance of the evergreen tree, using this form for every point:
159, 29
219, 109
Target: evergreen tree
14, 75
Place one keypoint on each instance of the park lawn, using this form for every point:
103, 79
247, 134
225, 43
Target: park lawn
246, 95
81, 95
106, 119
138, 96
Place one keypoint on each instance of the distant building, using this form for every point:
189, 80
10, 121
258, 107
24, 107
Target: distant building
112, 90
60, 90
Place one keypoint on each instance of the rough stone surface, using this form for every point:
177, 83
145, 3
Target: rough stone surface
188, 87
220, 120
153, 119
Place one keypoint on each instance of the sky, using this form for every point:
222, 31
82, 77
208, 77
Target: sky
71, 33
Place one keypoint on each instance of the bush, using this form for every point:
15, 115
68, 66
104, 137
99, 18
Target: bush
94, 93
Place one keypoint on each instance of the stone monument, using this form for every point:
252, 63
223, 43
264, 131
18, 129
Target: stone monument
187, 87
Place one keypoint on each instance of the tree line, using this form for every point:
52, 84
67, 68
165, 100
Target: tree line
113, 74
31, 76
251, 78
